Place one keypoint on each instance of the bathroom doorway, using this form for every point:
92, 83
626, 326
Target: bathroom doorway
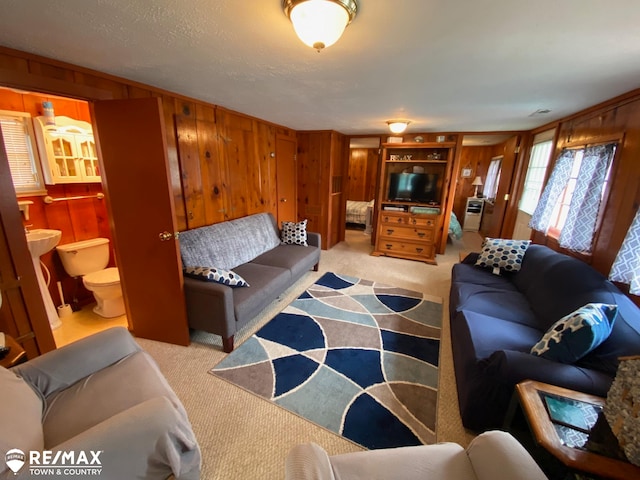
150, 319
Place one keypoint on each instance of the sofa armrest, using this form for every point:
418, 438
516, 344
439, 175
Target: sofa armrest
308, 462
210, 307
496, 455
60, 368
149, 440
314, 239
514, 367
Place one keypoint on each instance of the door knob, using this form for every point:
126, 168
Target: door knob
164, 236
283, 200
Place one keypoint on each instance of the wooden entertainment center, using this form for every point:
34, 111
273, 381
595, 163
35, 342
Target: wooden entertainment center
411, 200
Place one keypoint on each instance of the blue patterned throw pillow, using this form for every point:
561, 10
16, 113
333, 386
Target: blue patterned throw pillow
218, 275
294, 233
576, 334
502, 254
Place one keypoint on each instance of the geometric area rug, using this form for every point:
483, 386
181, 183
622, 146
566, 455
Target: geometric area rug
356, 357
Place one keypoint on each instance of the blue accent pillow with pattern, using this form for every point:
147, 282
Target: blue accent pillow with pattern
502, 254
576, 334
218, 275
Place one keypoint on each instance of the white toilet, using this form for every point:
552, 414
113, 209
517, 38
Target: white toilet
88, 258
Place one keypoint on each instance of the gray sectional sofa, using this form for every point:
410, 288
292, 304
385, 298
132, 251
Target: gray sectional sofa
250, 247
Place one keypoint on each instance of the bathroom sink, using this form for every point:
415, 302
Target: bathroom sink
42, 240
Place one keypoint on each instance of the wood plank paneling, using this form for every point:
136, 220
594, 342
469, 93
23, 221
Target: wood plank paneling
189, 155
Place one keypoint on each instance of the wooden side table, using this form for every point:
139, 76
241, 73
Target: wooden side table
549, 434
15, 356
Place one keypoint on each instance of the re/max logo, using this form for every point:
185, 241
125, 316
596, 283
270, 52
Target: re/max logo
47, 457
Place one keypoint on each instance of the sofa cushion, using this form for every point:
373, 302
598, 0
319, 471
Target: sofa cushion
578, 333
20, 416
218, 275
296, 258
506, 304
469, 273
486, 334
267, 282
294, 233
502, 254
229, 244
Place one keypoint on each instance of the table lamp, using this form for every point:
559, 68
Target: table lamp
477, 182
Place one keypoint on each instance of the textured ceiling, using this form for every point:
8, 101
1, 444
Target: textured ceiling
448, 65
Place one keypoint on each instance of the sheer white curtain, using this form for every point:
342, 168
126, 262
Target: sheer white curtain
626, 267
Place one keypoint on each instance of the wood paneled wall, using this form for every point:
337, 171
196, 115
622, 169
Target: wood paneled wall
322, 176
617, 118
363, 168
220, 161
477, 159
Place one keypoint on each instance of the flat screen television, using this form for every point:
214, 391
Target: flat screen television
413, 187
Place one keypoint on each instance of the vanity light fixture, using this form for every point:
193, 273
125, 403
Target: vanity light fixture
398, 126
320, 23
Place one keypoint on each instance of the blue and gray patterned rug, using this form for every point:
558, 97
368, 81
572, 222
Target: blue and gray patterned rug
356, 357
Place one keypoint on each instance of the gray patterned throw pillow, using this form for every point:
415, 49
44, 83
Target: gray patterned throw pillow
502, 254
218, 275
294, 233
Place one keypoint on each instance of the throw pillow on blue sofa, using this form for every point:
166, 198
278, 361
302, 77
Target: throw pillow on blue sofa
576, 334
502, 254
218, 275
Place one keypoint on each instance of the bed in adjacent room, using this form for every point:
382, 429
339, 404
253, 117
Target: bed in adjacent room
359, 214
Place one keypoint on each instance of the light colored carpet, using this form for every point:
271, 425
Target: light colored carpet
246, 437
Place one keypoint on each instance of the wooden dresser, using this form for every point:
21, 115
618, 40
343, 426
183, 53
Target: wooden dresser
408, 235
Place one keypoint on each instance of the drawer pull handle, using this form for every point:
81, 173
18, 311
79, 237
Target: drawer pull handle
419, 250
399, 220
388, 245
414, 221
389, 231
421, 234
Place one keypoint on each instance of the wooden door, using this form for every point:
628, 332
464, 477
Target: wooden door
132, 148
22, 311
286, 178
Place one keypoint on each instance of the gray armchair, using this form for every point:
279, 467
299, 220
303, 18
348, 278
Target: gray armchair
102, 397
493, 455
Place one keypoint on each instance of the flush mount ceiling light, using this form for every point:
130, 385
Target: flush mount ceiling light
320, 23
398, 126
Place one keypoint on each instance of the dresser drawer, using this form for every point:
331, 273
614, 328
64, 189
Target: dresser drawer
406, 248
393, 218
409, 233
422, 221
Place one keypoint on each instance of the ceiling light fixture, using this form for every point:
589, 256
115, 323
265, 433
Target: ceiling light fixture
398, 126
320, 23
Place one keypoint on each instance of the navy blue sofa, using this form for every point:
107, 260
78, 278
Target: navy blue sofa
496, 319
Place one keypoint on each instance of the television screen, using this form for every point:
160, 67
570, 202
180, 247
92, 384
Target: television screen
413, 187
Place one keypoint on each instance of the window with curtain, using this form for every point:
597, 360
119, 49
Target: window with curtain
24, 164
570, 203
534, 180
626, 267
493, 179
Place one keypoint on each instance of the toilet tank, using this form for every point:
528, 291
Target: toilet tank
85, 256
